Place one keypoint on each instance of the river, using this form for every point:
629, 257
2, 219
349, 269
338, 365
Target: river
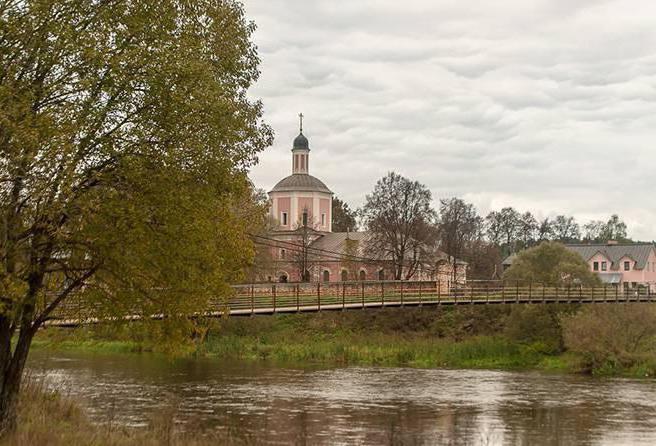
264, 404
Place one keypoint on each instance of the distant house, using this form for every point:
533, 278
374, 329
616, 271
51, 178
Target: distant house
627, 265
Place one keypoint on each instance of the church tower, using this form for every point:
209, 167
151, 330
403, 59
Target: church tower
300, 152
301, 199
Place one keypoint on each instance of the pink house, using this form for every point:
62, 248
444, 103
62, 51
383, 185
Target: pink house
626, 265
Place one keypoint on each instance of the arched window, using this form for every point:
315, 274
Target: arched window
326, 275
283, 278
344, 275
363, 275
381, 274
282, 254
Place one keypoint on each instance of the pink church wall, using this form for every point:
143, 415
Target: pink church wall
324, 208
304, 203
284, 205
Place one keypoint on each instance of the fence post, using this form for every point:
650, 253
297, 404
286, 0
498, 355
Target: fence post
605, 293
439, 291
517, 292
252, 301
544, 293
617, 292
343, 295
580, 293
401, 293
319, 296
420, 291
471, 294
487, 293
503, 292
274, 298
382, 293
530, 292
298, 299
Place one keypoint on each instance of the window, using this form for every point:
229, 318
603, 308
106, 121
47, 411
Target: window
627, 266
283, 218
344, 275
305, 218
326, 276
595, 266
604, 266
282, 253
323, 219
363, 275
295, 163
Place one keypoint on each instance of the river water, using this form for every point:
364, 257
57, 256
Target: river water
264, 404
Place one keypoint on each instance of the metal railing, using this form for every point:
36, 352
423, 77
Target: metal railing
272, 298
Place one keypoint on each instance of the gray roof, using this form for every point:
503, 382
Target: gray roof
335, 242
636, 251
301, 182
301, 142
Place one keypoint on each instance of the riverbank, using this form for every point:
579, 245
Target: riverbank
466, 337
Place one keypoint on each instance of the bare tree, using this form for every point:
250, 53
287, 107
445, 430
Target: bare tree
566, 229
399, 215
459, 225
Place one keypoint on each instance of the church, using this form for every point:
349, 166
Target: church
303, 246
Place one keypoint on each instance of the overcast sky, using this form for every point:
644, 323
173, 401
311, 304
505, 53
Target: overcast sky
548, 106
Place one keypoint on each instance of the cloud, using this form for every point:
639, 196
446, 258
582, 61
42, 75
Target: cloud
548, 105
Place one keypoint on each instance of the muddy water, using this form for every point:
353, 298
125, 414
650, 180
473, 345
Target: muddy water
263, 404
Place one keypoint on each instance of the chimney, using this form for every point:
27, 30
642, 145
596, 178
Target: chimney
611, 242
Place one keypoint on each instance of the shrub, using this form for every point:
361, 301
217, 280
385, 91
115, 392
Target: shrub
610, 337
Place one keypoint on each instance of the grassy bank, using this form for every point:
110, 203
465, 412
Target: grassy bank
466, 338
48, 418
495, 337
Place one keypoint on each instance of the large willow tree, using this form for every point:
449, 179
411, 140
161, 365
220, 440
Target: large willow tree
125, 136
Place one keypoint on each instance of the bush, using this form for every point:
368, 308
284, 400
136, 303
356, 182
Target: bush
541, 324
612, 337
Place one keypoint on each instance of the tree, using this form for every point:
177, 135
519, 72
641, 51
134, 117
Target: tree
459, 225
528, 229
598, 231
565, 229
343, 216
551, 264
125, 135
399, 215
503, 228
545, 230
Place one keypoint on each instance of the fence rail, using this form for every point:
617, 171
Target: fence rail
267, 299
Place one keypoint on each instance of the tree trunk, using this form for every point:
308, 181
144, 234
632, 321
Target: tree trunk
10, 380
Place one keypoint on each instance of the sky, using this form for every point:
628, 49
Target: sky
547, 106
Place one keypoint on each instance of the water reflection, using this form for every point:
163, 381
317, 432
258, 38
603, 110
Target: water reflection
359, 405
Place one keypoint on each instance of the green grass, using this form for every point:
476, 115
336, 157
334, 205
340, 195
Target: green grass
452, 338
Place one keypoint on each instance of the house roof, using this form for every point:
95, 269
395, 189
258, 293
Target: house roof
636, 251
335, 242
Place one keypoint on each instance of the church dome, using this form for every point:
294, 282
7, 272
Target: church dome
301, 142
300, 182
